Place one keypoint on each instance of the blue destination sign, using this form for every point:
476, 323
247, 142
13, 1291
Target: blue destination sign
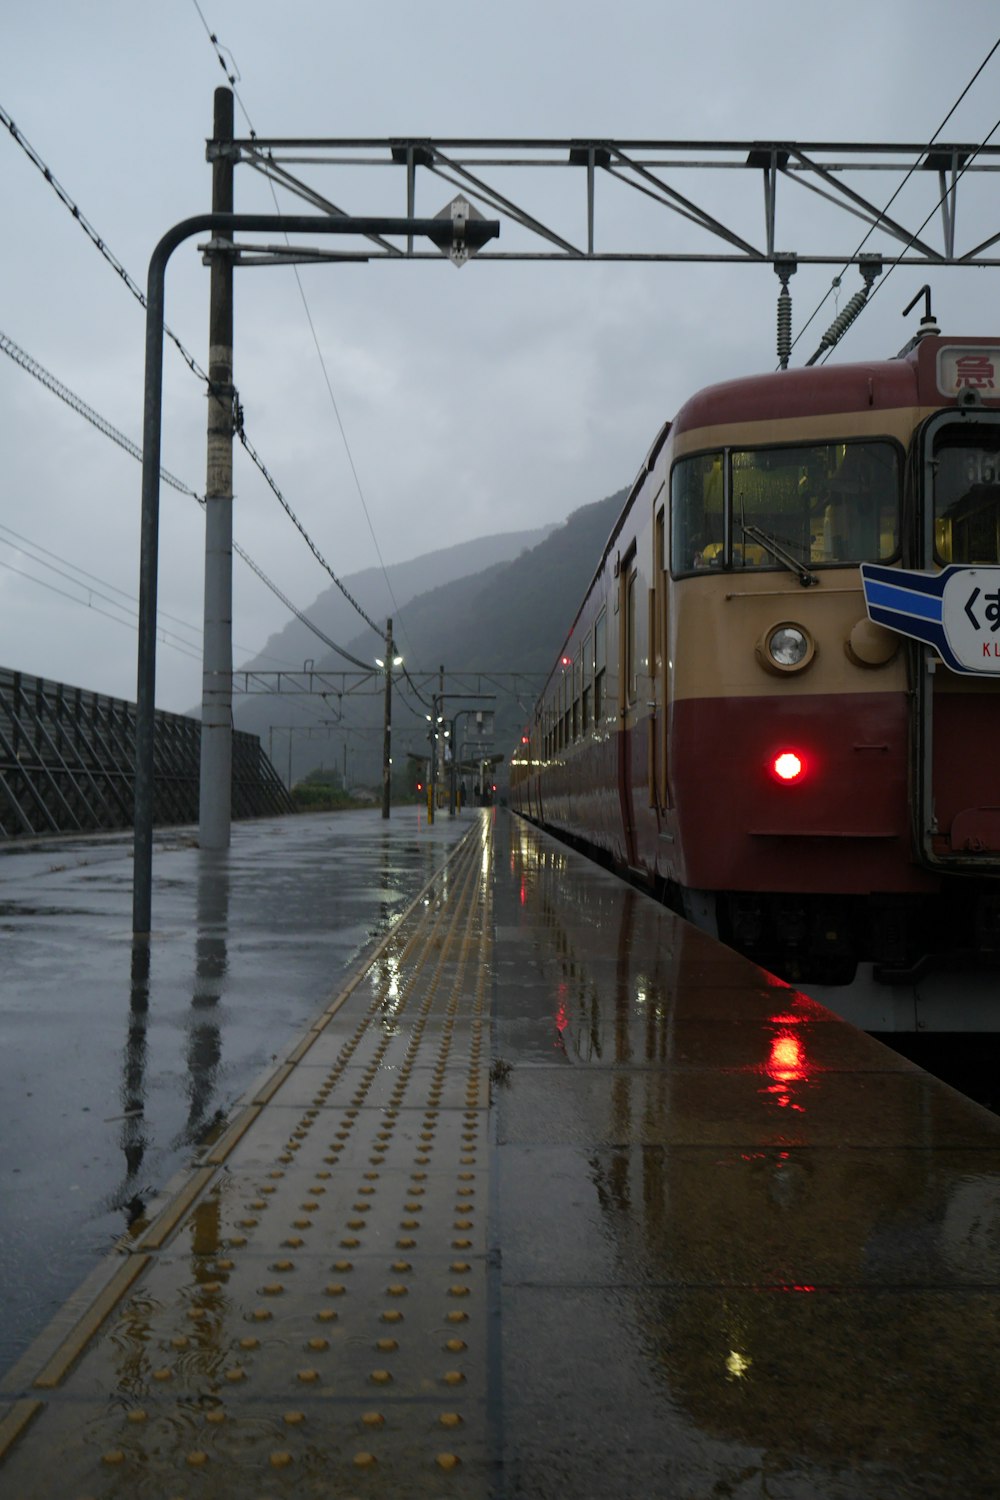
957, 611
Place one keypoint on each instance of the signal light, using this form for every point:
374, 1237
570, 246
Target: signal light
788, 766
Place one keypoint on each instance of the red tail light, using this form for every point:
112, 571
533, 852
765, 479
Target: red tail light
788, 766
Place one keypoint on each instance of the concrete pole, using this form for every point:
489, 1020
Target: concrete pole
442, 763
387, 725
454, 769
432, 761
217, 667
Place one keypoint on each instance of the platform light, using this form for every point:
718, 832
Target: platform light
788, 766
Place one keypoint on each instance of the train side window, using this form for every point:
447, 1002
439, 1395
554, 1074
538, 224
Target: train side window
656, 623
631, 672
967, 494
697, 513
577, 693
600, 664
588, 672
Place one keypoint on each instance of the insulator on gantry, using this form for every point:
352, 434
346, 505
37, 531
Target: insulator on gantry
784, 267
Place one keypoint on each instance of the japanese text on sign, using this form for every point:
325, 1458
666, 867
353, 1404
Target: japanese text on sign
968, 369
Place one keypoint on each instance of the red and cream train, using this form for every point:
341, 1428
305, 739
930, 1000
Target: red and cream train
726, 722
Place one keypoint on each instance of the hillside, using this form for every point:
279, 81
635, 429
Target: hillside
514, 617
332, 613
510, 617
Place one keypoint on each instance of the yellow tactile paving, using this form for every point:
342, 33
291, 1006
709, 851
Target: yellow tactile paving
309, 1316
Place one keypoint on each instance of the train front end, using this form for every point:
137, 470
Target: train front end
831, 783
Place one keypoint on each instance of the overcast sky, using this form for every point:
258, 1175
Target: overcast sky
490, 399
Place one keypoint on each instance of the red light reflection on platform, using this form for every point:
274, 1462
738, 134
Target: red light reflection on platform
787, 1064
561, 1018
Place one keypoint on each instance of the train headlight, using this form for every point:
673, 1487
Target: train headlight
787, 647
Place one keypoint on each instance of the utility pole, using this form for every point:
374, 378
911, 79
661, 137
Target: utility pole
453, 778
440, 715
214, 807
455, 235
387, 725
432, 760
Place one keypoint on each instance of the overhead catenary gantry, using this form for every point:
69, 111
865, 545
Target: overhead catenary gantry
455, 233
644, 169
855, 178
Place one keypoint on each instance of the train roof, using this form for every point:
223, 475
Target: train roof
931, 372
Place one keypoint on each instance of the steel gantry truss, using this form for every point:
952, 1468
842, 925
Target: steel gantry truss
319, 683
598, 223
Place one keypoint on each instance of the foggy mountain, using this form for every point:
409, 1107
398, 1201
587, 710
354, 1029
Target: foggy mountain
509, 617
295, 643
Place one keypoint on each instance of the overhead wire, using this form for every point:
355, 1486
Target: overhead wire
93, 236
89, 587
302, 531
231, 78
101, 245
365, 666
895, 195
71, 399
77, 404
88, 604
22, 542
882, 281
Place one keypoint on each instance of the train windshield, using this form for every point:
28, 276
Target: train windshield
821, 504
966, 469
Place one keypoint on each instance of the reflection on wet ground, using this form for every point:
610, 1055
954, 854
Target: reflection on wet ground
114, 1062
746, 1250
734, 1248
308, 1311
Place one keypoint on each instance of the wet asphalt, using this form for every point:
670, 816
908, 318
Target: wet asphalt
733, 1246
114, 1063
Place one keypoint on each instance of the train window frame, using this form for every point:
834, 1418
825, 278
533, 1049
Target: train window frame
723, 560
630, 673
600, 665
936, 439
588, 676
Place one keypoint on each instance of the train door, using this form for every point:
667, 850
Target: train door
628, 694
957, 717
657, 757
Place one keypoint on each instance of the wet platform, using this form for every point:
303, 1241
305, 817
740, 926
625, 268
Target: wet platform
555, 1198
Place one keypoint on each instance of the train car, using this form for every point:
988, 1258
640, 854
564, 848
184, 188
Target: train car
756, 712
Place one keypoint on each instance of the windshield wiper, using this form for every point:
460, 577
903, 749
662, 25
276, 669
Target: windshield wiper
770, 544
